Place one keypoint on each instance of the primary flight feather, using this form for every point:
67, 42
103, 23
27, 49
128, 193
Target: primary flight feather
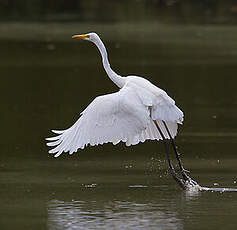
127, 115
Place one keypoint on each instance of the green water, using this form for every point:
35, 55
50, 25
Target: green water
47, 80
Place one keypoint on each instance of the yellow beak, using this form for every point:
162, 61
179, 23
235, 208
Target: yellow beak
81, 36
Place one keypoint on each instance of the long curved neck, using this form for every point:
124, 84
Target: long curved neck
117, 79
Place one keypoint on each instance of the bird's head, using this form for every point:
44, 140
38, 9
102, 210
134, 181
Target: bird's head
89, 37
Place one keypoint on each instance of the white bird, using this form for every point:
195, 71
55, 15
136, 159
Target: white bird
129, 115
139, 111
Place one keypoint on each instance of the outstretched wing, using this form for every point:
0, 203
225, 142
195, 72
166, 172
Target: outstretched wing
162, 109
110, 118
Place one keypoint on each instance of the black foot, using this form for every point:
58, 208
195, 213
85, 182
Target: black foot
187, 178
185, 170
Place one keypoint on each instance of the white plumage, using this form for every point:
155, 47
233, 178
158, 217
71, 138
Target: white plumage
127, 115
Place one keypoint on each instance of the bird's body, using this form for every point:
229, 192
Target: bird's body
127, 115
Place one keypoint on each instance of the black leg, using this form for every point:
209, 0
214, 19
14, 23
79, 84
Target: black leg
183, 171
171, 167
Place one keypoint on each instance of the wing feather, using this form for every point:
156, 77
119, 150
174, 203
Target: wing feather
163, 106
110, 118
125, 116
152, 133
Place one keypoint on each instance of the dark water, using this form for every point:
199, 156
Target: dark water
47, 80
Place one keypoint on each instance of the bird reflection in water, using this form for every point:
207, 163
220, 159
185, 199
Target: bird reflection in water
111, 215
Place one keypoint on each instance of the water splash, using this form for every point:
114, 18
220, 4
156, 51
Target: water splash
138, 186
218, 189
196, 187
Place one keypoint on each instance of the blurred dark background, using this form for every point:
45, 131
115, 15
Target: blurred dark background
175, 11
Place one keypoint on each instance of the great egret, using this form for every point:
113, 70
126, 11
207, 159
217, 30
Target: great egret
137, 112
